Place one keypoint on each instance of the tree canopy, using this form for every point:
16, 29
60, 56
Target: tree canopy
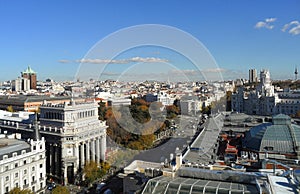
17, 190
60, 190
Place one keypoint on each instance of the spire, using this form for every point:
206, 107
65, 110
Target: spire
29, 70
296, 73
36, 135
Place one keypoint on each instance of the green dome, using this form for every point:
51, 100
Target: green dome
281, 135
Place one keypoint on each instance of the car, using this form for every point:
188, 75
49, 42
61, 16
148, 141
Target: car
100, 186
51, 186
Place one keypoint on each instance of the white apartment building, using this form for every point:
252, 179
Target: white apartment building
22, 164
165, 98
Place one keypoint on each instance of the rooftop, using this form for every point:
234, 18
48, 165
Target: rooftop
15, 99
8, 146
281, 135
191, 185
28, 71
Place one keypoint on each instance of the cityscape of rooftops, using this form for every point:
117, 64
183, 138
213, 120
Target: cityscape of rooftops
150, 97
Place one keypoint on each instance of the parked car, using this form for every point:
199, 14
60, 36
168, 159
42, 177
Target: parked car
51, 186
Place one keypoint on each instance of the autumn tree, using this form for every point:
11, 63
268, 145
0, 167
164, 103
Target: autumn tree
60, 190
94, 170
17, 190
10, 108
172, 111
102, 111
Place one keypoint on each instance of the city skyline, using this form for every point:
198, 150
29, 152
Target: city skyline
53, 38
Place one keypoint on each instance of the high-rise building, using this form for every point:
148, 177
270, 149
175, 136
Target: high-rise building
252, 76
31, 75
20, 84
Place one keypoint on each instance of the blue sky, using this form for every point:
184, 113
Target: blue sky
239, 34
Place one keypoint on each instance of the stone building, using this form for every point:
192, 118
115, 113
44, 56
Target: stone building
22, 164
264, 100
73, 135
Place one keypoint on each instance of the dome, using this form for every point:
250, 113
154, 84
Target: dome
280, 136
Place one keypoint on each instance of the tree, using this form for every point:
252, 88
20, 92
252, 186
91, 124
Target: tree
60, 190
102, 111
17, 190
10, 108
94, 170
298, 114
172, 111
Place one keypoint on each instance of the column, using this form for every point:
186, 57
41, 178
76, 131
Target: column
103, 147
93, 151
76, 151
57, 162
50, 158
87, 151
82, 155
65, 175
97, 150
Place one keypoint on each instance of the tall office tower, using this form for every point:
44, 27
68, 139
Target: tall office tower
252, 76
31, 75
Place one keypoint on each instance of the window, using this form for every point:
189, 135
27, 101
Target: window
25, 181
15, 154
33, 178
41, 165
25, 171
33, 168
5, 157
41, 146
32, 159
7, 178
16, 165
34, 147
23, 152
17, 185
6, 189
16, 175
24, 162
33, 188
6, 168
41, 175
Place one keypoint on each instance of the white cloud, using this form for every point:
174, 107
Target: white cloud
184, 71
195, 72
123, 61
64, 61
214, 70
267, 23
270, 20
293, 26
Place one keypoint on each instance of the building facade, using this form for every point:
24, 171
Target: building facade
73, 135
264, 100
31, 75
22, 164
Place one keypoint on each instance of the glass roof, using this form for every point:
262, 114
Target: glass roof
184, 185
